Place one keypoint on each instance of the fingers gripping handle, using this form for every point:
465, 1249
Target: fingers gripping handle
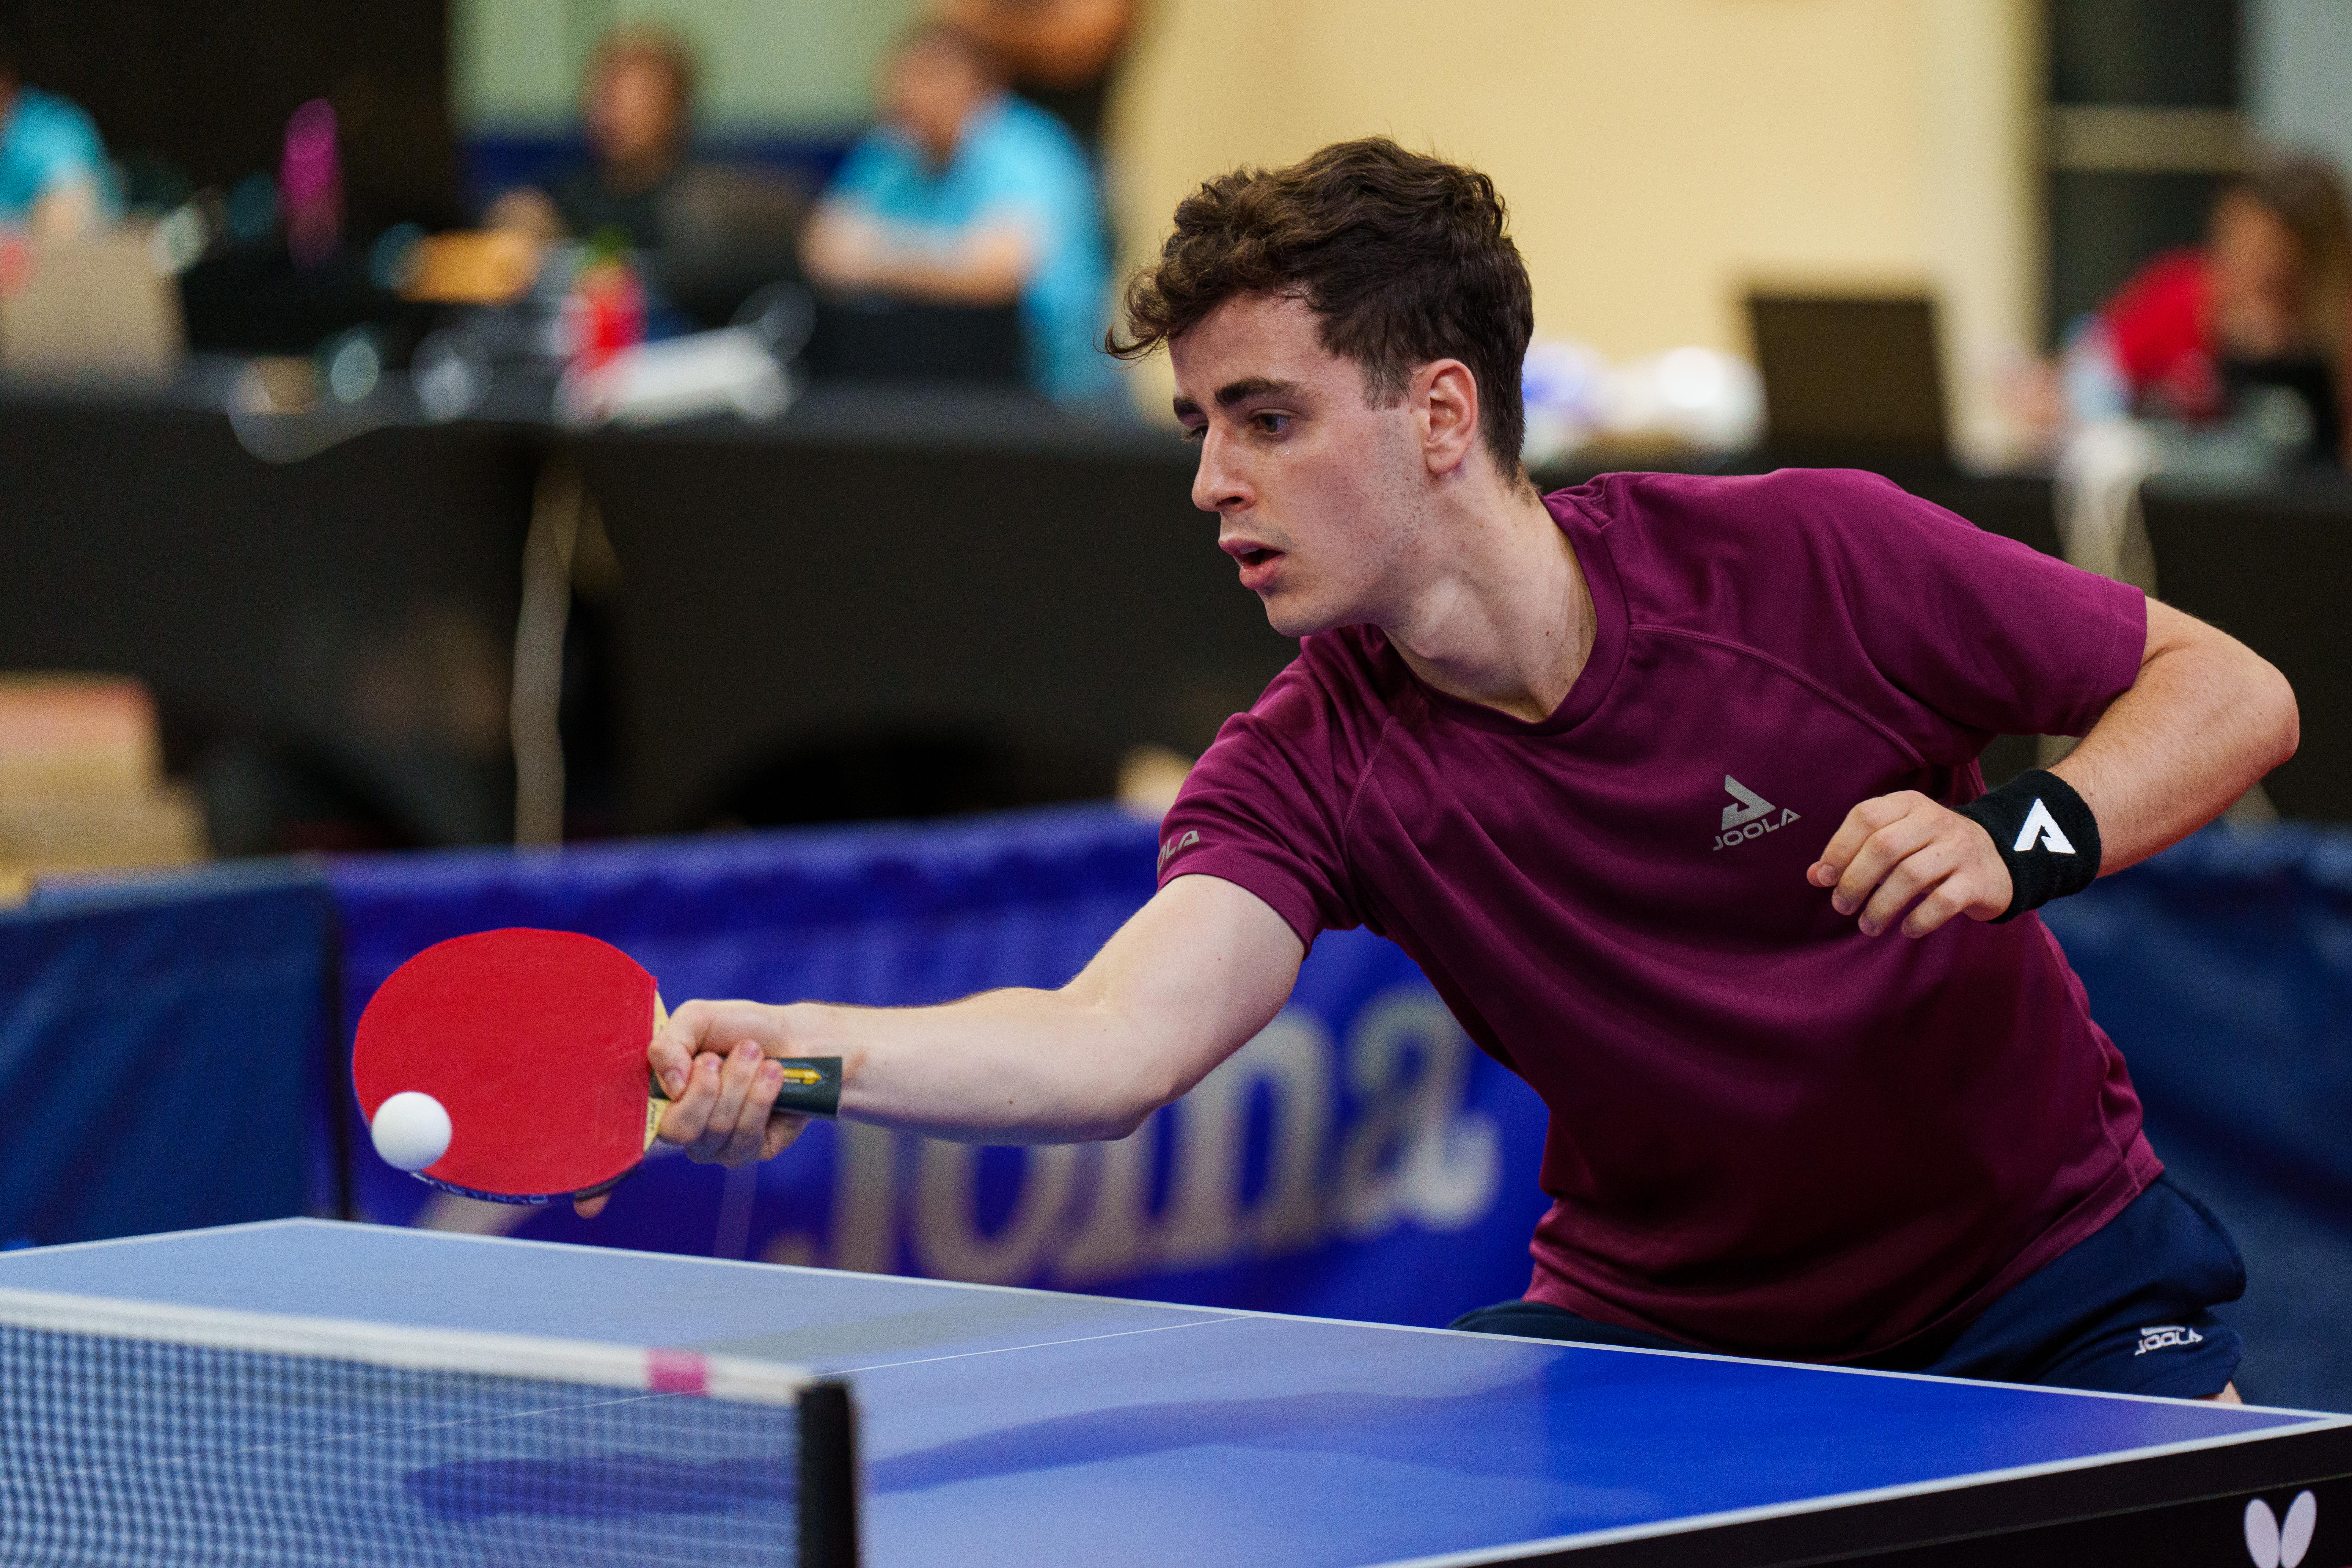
812, 1085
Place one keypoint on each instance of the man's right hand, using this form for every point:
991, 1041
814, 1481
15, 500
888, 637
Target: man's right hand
715, 1062
713, 1059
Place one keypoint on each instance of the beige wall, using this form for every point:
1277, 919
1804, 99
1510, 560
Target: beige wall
1657, 154
766, 65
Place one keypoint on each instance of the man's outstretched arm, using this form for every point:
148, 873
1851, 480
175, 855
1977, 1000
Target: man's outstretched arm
2205, 719
1183, 984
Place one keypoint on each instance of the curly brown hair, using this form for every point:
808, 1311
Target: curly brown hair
1404, 258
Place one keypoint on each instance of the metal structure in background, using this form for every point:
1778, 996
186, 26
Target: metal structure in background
560, 511
2145, 119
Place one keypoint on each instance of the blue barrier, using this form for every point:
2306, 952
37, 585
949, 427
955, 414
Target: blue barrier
158, 1042
2223, 968
1358, 1159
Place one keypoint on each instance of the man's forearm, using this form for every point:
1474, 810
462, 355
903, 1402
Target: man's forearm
2204, 722
1003, 1066
1191, 976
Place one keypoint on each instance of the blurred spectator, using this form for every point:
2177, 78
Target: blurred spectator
709, 235
1058, 53
53, 173
637, 102
2265, 303
967, 196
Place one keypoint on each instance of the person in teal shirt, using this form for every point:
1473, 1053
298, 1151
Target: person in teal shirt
965, 194
53, 171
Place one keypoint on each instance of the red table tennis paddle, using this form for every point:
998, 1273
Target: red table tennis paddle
534, 1043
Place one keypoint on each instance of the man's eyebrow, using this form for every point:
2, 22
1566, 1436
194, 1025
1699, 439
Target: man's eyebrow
1233, 392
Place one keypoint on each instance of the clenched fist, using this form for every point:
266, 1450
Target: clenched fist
1897, 850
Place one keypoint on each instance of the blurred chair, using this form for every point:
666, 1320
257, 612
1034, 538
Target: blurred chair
728, 232
2268, 567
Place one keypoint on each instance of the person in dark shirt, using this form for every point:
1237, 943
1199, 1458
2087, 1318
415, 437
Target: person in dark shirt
1669, 783
636, 103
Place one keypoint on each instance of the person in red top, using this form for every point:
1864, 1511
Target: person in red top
2267, 297
1670, 785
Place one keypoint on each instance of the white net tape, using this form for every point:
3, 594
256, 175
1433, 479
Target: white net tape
132, 1432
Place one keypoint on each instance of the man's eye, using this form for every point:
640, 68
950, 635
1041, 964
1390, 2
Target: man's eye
1195, 431
1272, 424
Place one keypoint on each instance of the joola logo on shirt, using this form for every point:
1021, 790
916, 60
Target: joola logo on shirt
2165, 1336
1750, 815
1192, 836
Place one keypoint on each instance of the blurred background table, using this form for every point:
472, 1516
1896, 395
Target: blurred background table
888, 603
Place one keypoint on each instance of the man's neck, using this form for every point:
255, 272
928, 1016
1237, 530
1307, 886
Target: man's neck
1506, 619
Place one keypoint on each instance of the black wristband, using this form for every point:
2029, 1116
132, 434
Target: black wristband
2046, 835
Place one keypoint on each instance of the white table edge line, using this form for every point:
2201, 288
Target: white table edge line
1008, 1350
1214, 1313
1473, 1556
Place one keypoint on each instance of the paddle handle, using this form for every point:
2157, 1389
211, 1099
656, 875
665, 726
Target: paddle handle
811, 1087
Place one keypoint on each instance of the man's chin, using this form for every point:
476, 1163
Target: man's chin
1294, 617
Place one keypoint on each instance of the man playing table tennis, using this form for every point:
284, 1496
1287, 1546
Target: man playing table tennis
1669, 784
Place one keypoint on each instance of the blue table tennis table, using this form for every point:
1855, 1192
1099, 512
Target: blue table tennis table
1008, 1426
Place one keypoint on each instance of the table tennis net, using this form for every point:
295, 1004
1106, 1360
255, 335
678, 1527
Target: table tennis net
134, 1433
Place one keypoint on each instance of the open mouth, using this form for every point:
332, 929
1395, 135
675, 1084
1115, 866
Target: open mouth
1257, 561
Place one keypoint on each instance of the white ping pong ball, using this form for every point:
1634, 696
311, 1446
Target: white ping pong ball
411, 1130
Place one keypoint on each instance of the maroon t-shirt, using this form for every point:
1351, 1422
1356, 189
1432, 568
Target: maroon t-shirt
1770, 1133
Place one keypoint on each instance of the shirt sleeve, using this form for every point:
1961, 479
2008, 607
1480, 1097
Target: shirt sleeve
1016, 183
1266, 807
865, 172
1980, 630
58, 146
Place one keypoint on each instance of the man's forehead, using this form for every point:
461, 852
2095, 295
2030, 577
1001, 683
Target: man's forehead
1255, 339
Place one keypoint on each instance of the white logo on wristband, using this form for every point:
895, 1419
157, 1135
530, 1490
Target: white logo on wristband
2039, 825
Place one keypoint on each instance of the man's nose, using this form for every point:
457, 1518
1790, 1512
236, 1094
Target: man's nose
1216, 487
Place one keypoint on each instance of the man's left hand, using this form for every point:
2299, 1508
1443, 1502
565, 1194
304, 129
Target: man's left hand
1900, 850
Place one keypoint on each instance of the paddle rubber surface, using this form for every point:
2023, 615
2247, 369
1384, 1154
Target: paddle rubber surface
534, 1041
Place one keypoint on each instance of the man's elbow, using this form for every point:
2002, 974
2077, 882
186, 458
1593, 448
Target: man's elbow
2274, 700
1152, 1085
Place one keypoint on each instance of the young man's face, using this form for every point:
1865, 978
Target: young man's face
1317, 492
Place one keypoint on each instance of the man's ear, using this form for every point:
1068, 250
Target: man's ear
1446, 396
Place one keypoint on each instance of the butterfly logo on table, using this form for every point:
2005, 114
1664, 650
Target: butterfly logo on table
2275, 1544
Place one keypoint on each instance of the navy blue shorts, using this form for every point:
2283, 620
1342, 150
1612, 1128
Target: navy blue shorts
2126, 1309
